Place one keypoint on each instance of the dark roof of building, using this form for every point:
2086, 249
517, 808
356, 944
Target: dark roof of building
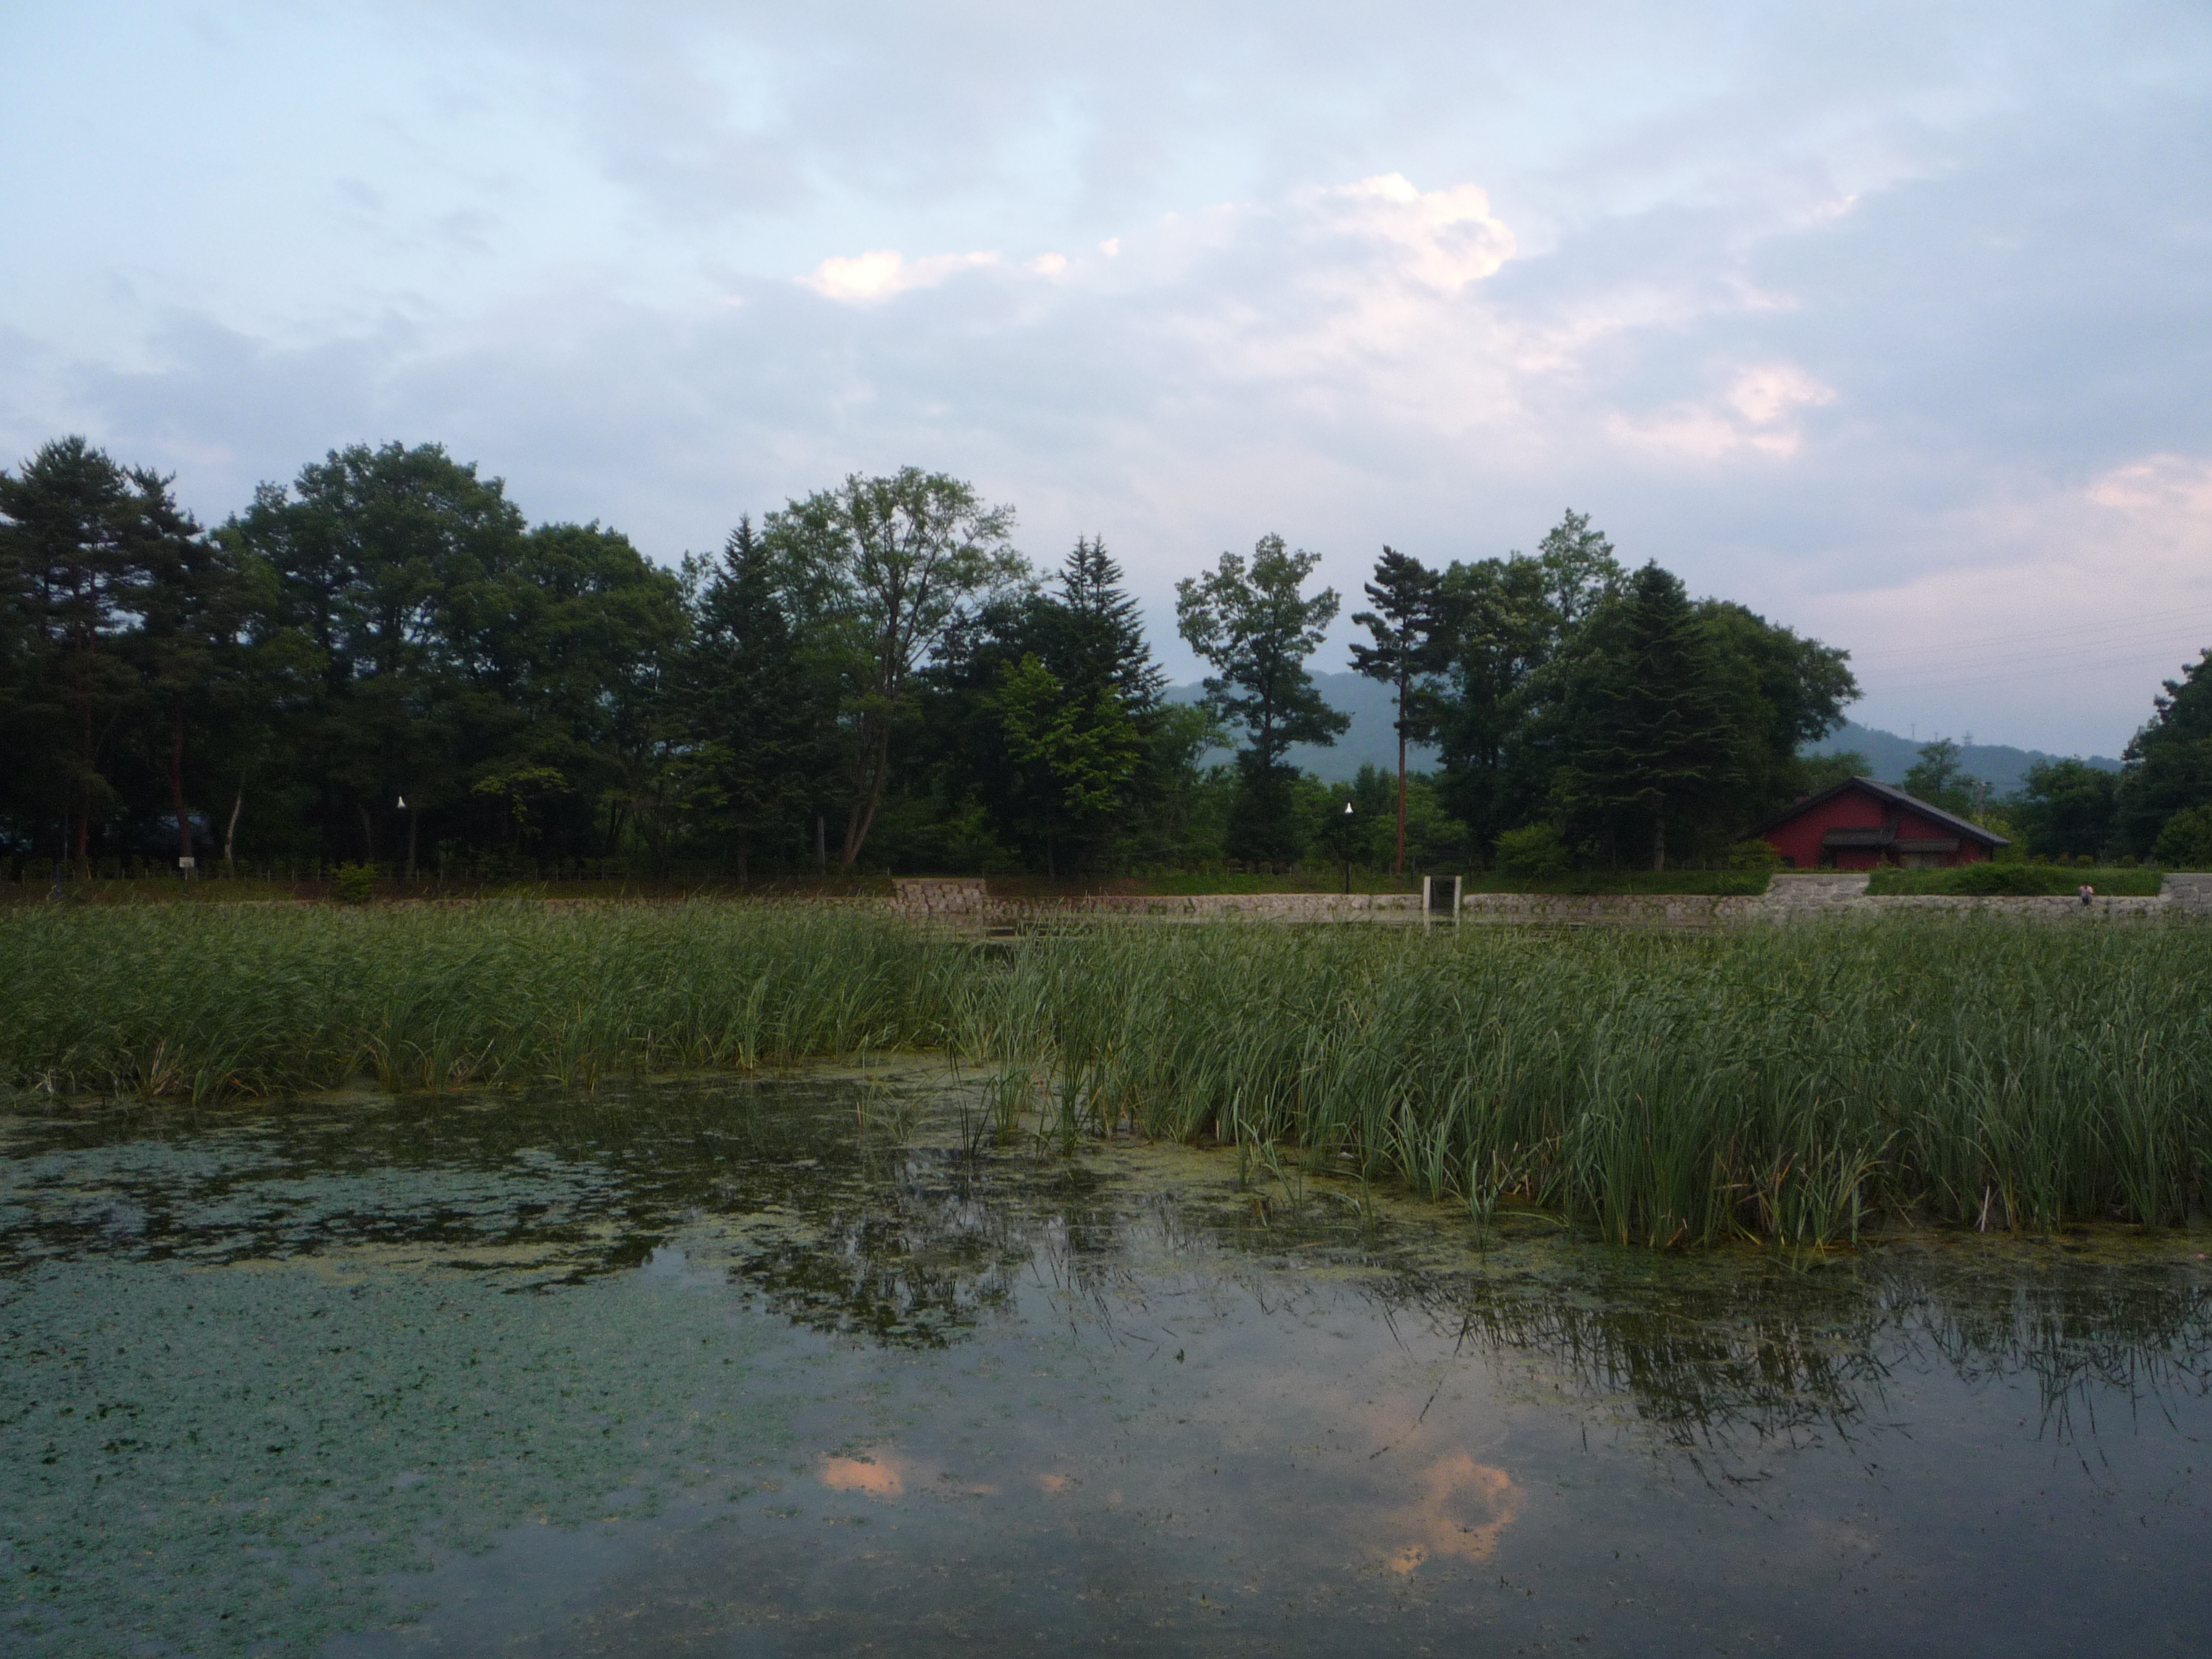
1890, 795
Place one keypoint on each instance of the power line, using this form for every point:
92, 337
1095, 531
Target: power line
1939, 667
1885, 687
2167, 621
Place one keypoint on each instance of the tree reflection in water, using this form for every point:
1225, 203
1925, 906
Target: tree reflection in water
866, 1208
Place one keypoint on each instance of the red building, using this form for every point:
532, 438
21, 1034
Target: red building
1860, 824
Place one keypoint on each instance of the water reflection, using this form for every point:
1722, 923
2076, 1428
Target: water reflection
801, 1364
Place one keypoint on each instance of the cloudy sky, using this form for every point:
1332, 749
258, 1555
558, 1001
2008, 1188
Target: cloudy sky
1888, 320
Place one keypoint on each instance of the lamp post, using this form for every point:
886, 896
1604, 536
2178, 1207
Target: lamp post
1345, 853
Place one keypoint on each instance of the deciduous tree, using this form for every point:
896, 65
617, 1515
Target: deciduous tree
2169, 761
1253, 622
884, 570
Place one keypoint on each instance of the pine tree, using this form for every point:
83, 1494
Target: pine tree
1650, 730
761, 732
1404, 624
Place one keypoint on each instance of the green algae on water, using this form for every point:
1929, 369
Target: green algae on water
209, 1459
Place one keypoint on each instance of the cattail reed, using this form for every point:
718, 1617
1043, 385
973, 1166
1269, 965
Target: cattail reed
1788, 1084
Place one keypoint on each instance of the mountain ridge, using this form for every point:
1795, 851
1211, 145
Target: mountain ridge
1371, 740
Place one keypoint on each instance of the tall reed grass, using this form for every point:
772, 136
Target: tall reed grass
1783, 1083
199, 1002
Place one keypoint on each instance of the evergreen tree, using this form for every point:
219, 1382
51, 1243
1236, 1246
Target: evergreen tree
760, 730
1650, 729
91, 548
1404, 625
1045, 709
378, 555
190, 638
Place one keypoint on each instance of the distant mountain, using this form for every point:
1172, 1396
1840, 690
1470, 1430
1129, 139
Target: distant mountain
2001, 766
1374, 712
1371, 739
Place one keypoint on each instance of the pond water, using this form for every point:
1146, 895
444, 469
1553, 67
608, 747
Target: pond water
800, 1366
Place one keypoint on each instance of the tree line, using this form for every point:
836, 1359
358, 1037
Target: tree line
385, 663
2158, 806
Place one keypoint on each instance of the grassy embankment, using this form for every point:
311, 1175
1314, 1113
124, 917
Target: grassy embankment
1787, 1083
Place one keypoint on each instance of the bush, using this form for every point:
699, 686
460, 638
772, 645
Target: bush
1723, 883
357, 883
2185, 842
1754, 854
1532, 850
2014, 881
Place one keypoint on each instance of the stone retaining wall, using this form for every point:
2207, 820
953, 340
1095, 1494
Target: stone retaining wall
1608, 909
1789, 897
968, 898
1792, 897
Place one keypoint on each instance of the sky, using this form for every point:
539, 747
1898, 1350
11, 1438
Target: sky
1888, 321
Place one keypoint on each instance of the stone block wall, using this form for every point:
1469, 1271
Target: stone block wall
967, 900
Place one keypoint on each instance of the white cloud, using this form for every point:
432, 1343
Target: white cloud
1860, 301
878, 275
1756, 413
2168, 496
2049, 618
1447, 238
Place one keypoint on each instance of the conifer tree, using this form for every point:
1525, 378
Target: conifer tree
1404, 624
1649, 726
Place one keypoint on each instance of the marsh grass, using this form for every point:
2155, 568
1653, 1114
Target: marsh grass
1787, 1084
203, 1002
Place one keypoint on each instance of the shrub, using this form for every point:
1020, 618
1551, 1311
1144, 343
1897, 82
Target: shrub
1533, 850
357, 883
2014, 880
1708, 882
2185, 842
1754, 854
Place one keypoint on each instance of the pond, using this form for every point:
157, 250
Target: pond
805, 1366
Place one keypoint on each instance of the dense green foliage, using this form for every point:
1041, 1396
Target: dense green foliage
1253, 622
1721, 881
2185, 841
2017, 880
384, 664
1642, 726
2159, 806
2170, 761
1781, 1082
